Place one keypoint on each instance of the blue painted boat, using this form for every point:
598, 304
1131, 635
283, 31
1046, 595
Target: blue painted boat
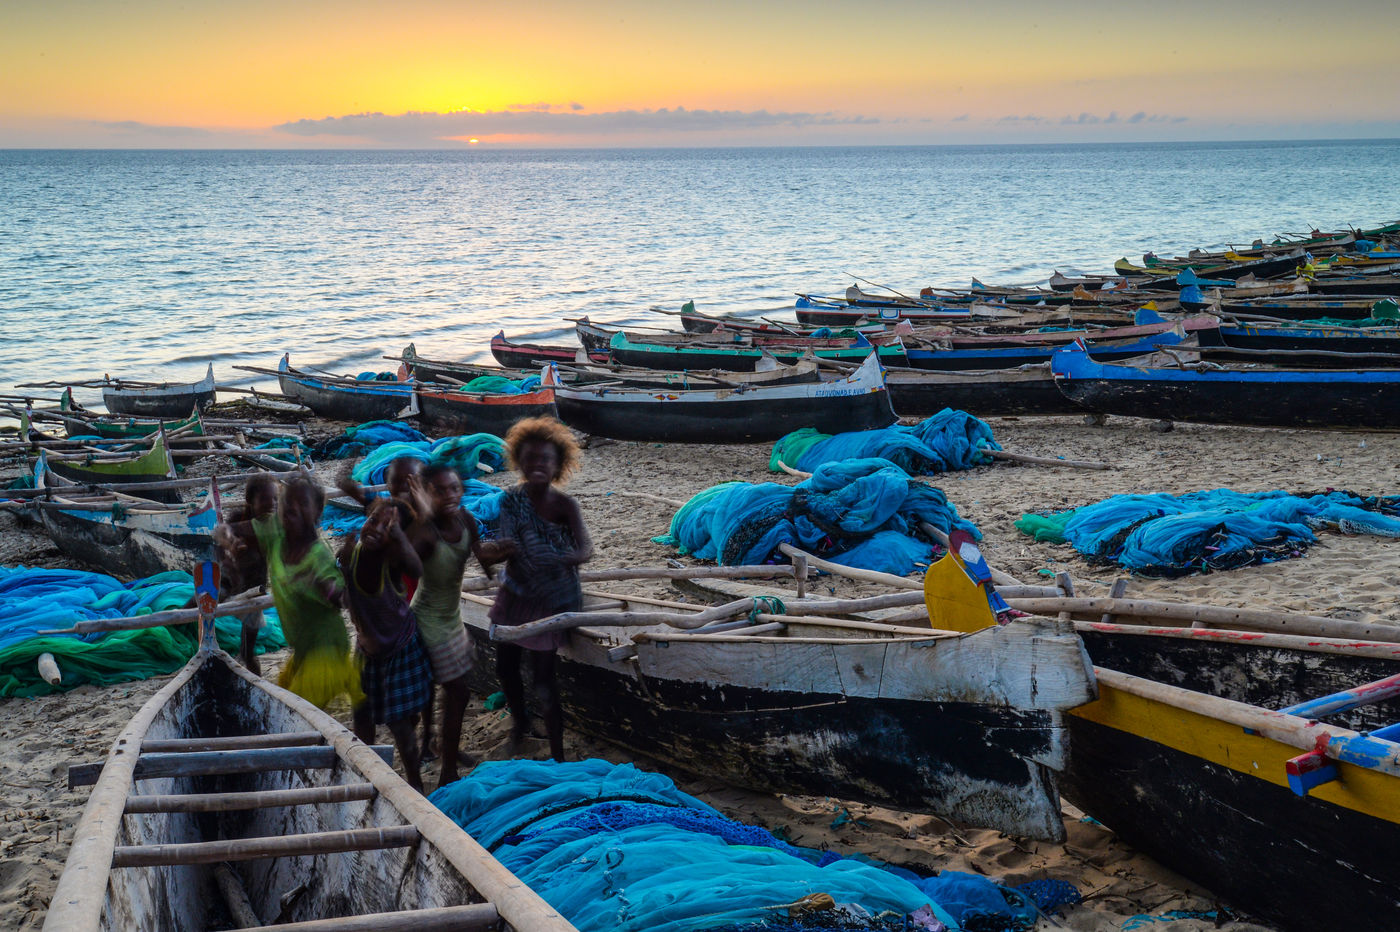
345, 399
1263, 397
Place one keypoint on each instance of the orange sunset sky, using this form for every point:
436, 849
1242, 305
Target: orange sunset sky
424, 73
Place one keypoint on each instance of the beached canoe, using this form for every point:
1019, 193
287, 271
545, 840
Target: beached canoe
741, 413
230, 803
165, 399
464, 412
79, 422
1264, 397
131, 469
1252, 751
739, 355
792, 700
345, 399
118, 533
514, 355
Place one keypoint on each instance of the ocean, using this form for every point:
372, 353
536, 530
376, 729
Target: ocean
145, 264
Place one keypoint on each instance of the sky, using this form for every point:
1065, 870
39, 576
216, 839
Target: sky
460, 73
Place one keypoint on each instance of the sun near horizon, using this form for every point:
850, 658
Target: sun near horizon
434, 73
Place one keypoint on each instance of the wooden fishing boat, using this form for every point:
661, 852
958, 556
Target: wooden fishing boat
118, 533
342, 398
733, 414
1024, 391
533, 355
164, 399
1265, 397
597, 340
434, 370
792, 700
228, 802
131, 469
744, 356
1309, 346
1008, 350
1252, 751
79, 422
464, 412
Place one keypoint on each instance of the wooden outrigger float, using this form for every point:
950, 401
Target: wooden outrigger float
227, 797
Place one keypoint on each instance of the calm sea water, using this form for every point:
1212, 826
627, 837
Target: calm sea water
147, 263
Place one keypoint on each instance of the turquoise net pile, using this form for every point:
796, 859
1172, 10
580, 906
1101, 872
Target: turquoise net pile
464, 454
950, 440
863, 513
34, 600
1216, 529
362, 438
612, 847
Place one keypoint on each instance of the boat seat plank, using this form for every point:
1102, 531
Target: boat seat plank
272, 846
265, 799
209, 763
439, 919
283, 739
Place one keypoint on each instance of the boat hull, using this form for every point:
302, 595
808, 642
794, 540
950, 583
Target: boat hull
984, 394
172, 401
469, 413
374, 401
132, 545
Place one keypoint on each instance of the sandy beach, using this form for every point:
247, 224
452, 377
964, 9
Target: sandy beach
1350, 577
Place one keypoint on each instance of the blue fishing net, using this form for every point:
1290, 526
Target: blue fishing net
615, 848
362, 438
949, 440
34, 600
861, 512
464, 454
500, 385
1216, 529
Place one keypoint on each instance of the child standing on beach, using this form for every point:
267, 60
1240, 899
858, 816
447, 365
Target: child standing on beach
394, 674
447, 539
308, 590
242, 568
543, 536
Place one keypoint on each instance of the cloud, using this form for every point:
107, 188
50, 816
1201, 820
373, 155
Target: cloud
541, 119
1142, 116
1028, 118
961, 119
135, 128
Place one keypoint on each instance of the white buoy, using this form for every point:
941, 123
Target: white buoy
48, 669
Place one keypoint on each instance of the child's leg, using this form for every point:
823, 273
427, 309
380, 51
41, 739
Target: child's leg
402, 730
508, 658
454, 703
543, 666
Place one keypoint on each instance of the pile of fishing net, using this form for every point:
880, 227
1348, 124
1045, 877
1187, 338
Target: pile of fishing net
1216, 529
34, 600
500, 385
362, 438
612, 847
948, 441
864, 513
464, 454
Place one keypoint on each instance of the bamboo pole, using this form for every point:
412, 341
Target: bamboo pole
566, 620
177, 616
274, 846
214, 763
762, 571
1186, 612
261, 799
475, 917
283, 739
236, 898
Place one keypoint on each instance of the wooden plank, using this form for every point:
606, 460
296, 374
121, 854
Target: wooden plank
262, 799
210, 763
276, 846
284, 739
438, 919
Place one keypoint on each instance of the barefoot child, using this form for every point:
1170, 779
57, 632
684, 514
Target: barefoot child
542, 534
307, 589
395, 675
242, 567
450, 538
